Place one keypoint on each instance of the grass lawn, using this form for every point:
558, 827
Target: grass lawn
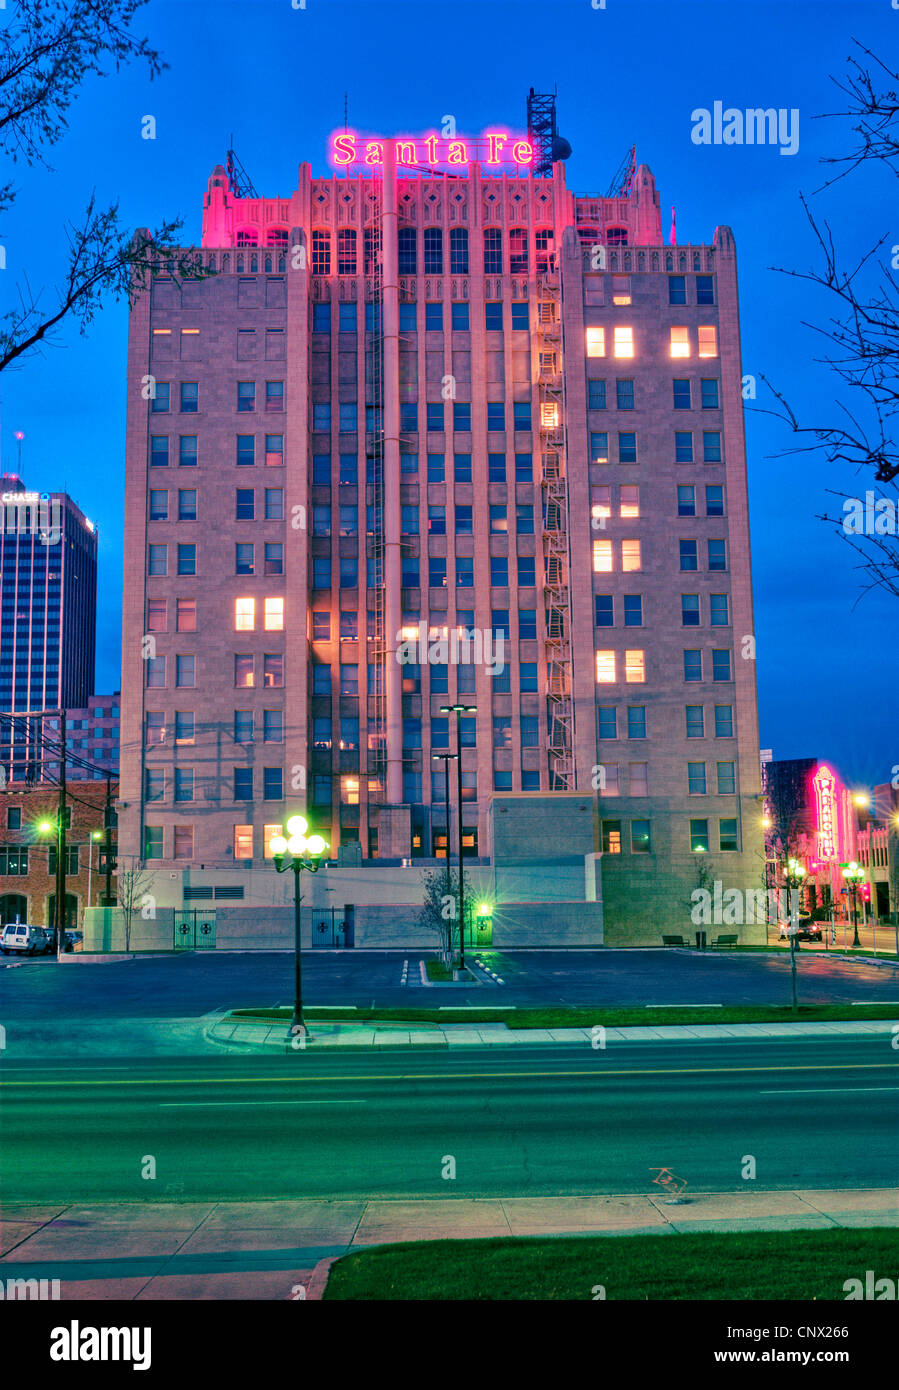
795, 1265
560, 1017
439, 973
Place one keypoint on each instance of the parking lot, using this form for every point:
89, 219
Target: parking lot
189, 985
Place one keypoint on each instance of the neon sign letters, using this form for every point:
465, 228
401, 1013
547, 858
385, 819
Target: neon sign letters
825, 803
495, 148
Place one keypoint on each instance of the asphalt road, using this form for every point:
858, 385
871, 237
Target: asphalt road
191, 985
820, 1113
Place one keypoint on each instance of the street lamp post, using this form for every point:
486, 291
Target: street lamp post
794, 874
853, 874
95, 835
303, 854
446, 759
458, 711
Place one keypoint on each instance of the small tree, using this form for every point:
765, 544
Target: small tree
440, 910
133, 884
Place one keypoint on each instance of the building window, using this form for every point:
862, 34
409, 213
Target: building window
493, 251
246, 396
638, 779
596, 342
274, 450
727, 836
346, 251
244, 614
152, 841
603, 560
726, 779
604, 605
596, 395
433, 248
696, 779
695, 721
693, 665
634, 666
184, 784
717, 552
159, 506
274, 615
641, 842
681, 393
460, 316
161, 397
709, 393
718, 610
243, 842
627, 447
244, 561
636, 721
156, 615
714, 500
243, 726
246, 450
689, 610
721, 665
406, 253
599, 446
683, 447
724, 721
708, 340
679, 342
186, 615
686, 500
629, 501
185, 671
711, 446
689, 555
159, 451
624, 341
611, 837
705, 289
607, 721
605, 668
633, 610
272, 784
244, 677
699, 836
631, 555
677, 289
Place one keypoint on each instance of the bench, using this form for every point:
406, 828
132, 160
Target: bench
728, 940
672, 941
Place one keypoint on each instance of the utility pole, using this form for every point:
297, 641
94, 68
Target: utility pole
61, 842
107, 824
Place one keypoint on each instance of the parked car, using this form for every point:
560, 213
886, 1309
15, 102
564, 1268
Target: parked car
806, 929
25, 939
74, 941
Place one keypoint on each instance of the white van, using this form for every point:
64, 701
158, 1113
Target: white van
25, 939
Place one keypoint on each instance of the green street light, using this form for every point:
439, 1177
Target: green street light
297, 852
853, 873
458, 711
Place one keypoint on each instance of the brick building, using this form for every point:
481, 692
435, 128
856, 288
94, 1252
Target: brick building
28, 855
408, 404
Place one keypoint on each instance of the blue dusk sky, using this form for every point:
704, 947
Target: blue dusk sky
274, 73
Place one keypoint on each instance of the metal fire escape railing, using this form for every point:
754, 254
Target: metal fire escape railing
376, 735
559, 708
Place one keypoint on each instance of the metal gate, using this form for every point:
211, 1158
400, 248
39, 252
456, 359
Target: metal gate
331, 927
194, 930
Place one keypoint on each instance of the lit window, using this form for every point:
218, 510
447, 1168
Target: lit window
680, 342
708, 341
596, 342
274, 614
611, 837
605, 668
630, 555
268, 834
624, 342
244, 614
601, 501
634, 666
549, 415
629, 499
349, 791
602, 557
243, 842
621, 289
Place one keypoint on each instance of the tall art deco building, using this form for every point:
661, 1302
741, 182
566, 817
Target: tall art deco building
436, 393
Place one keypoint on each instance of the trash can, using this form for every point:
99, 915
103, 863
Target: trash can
700, 941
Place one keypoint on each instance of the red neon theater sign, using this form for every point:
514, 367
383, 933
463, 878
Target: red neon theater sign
825, 807
495, 148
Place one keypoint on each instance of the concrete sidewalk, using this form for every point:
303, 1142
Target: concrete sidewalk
268, 1250
248, 1034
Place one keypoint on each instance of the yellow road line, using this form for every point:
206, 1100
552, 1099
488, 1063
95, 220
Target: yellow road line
458, 1075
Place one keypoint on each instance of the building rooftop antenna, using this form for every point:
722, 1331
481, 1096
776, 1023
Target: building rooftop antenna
623, 181
238, 178
345, 111
543, 133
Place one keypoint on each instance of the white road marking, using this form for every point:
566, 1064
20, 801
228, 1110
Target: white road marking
242, 1104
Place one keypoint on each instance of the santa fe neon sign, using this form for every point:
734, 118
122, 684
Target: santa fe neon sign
824, 783
494, 148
